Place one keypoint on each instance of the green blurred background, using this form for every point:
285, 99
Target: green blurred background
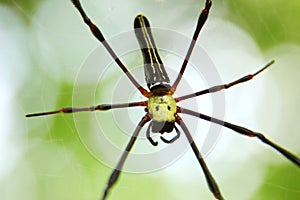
44, 42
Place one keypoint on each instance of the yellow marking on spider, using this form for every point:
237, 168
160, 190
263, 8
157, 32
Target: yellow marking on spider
162, 108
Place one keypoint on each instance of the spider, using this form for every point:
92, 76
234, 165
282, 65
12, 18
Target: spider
161, 110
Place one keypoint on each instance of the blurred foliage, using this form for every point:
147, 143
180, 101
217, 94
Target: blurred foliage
287, 178
23, 7
26, 5
64, 169
269, 22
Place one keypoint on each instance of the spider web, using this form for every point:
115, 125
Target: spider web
239, 36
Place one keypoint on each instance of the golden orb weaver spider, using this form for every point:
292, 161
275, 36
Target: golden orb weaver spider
161, 109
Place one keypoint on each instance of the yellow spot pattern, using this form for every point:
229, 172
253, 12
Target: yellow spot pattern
162, 108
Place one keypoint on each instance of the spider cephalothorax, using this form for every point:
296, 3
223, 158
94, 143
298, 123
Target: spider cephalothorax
162, 110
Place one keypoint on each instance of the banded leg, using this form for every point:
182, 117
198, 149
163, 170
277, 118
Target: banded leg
225, 86
212, 184
97, 33
115, 174
201, 20
244, 131
101, 107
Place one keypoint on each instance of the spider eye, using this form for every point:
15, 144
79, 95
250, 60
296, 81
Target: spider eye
156, 108
169, 108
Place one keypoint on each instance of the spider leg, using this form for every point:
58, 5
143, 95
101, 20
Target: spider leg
212, 184
101, 107
244, 131
225, 86
173, 139
115, 174
154, 143
97, 33
201, 20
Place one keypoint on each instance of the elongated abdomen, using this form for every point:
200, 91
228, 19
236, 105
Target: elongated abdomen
155, 73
